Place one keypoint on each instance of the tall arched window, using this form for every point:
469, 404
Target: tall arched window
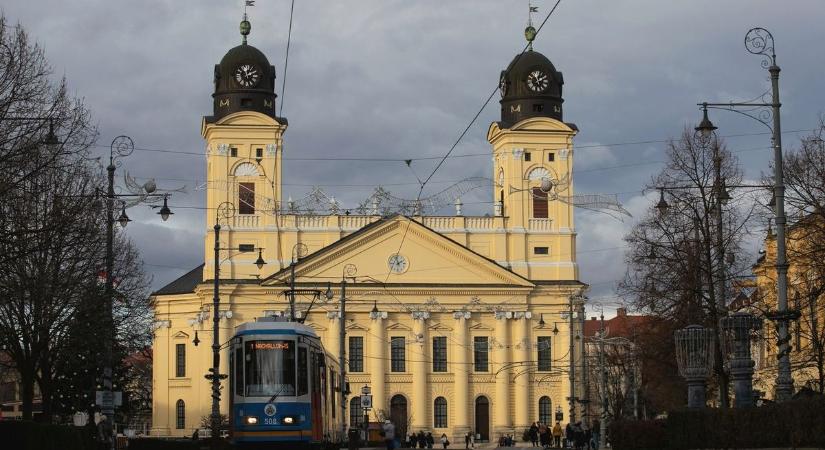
440, 413
356, 414
180, 413
545, 410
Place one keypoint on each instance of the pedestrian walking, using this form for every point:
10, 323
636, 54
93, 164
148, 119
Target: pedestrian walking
444, 441
388, 429
467, 440
353, 438
596, 433
430, 440
557, 434
533, 432
104, 434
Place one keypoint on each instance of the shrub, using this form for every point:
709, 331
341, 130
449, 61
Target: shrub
638, 435
26, 435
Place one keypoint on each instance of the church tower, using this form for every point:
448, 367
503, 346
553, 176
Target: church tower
533, 166
244, 146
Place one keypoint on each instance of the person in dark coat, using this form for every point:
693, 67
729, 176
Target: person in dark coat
533, 432
430, 440
413, 440
422, 440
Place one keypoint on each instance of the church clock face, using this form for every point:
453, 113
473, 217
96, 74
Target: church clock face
537, 81
247, 75
398, 263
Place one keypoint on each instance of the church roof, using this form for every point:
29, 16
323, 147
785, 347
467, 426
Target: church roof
184, 284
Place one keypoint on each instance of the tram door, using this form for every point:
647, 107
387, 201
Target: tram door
316, 403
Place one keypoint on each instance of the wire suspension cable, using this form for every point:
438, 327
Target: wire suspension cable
286, 58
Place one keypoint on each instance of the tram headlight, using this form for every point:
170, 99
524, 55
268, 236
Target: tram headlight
289, 420
250, 420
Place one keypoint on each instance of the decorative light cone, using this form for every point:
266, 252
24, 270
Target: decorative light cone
662, 206
260, 261
123, 220
705, 127
694, 356
738, 329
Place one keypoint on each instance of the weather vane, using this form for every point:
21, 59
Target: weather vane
530, 31
246, 27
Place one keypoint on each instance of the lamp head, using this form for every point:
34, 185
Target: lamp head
260, 261
662, 206
705, 127
165, 212
123, 219
328, 294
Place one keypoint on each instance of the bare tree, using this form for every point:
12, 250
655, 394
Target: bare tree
673, 258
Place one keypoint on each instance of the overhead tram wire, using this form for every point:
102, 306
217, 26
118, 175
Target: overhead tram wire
432, 158
286, 58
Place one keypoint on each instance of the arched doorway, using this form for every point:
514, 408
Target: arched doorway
483, 418
398, 414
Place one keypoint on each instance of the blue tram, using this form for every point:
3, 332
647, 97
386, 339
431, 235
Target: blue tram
282, 387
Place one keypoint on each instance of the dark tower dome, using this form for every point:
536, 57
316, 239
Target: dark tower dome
244, 80
530, 87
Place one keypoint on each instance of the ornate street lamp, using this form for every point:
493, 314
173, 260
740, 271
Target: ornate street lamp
695, 356
759, 41
738, 328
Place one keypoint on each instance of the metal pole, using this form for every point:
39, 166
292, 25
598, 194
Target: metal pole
108, 407
603, 370
292, 292
720, 260
572, 366
215, 417
784, 379
342, 335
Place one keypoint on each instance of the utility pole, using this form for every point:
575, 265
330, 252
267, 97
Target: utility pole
342, 336
215, 416
572, 352
603, 372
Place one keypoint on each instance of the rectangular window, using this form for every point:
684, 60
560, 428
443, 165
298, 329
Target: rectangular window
440, 354
246, 247
303, 371
397, 354
233, 152
539, 203
356, 354
544, 354
259, 153
246, 198
239, 371
481, 354
527, 156
551, 156
180, 360
541, 250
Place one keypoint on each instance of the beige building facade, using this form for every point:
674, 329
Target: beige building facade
457, 323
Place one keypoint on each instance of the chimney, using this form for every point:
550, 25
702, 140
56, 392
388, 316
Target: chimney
621, 312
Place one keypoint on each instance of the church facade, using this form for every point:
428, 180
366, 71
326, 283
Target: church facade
456, 323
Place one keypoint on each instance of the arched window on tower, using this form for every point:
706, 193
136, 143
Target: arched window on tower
440, 413
356, 414
180, 415
545, 410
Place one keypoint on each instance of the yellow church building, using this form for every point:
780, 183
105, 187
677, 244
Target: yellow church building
457, 323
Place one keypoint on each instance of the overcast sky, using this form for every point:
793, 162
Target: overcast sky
401, 79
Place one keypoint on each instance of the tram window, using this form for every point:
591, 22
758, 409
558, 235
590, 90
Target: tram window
239, 371
303, 374
270, 368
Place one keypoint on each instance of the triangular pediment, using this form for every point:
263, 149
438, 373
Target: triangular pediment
440, 327
480, 327
180, 335
427, 258
398, 327
355, 326
315, 326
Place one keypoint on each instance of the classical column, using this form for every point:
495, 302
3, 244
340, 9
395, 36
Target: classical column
503, 422
527, 357
420, 361
461, 376
377, 352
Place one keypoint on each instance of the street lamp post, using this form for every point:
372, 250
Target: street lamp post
225, 211
759, 41
121, 147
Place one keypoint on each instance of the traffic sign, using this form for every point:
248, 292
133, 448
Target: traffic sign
366, 401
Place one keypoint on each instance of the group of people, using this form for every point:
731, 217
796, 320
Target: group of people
576, 436
414, 440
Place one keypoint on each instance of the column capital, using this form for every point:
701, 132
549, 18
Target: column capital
458, 315
420, 315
